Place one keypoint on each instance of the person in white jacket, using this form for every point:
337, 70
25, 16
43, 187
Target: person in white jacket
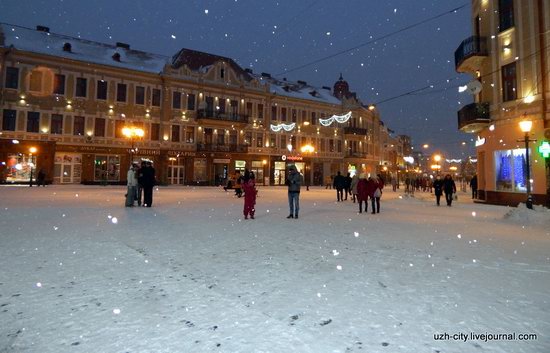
132, 183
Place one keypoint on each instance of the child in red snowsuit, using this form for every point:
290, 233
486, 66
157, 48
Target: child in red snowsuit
249, 188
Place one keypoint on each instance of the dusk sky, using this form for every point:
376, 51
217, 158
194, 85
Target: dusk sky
290, 38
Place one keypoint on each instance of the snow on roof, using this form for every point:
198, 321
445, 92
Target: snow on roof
41, 42
299, 90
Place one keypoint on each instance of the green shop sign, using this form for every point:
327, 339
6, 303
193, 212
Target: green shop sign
544, 149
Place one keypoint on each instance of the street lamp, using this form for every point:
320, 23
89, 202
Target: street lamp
132, 133
437, 159
307, 149
525, 126
31, 164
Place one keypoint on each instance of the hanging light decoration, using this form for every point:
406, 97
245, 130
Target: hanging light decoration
286, 127
338, 118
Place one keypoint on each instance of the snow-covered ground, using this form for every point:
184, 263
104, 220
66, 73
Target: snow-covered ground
82, 273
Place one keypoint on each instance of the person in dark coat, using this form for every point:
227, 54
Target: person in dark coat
438, 189
339, 184
347, 186
374, 188
149, 182
362, 193
449, 188
249, 188
139, 173
473, 186
41, 178
294, 181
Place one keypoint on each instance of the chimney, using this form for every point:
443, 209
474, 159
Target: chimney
43, 29
123, 45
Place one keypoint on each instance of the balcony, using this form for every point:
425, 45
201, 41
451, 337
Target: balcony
356, 155
470, 54
348, 130
474, 117
231, 118
210, 147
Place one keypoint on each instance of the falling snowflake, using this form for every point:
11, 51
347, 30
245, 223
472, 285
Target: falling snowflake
114, 220
335, 252
356, 234
116, 311
206, 11
39, 285
474, 213
173, 36
339, 268
459, 236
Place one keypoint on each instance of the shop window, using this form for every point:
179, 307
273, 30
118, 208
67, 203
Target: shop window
59, 84
99, 127
18, 167
101, 90
56, 126
78, 125
12, 78
81, 87
140, 95
199, 170
8, 119
33, 122
510, 167
155, 102
107, 168
121, 92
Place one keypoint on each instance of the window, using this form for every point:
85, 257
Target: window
119, 125
176, 100
222, 73
12, 77
8, 119
510, 168
33, 122
272, 140
102, 90
140, 95
339, 146
506, 14
221, 137
313, 118
234, 108
273, 112
78, 125
59, 84
175, 133
331, 145
283, 141
81, 87
190, 101
248, 138
189, 134
107, 168
259, 141
260, 111
249, 109
155, 132
294, 115
35, 84
99, 127
509, 89
233, 138
221, 106
121, 92
283, 114
56, 126
156, 97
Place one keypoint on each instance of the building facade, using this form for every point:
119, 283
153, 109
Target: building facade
508, 59
65, 102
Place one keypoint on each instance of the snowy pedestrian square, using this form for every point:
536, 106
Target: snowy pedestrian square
82, 273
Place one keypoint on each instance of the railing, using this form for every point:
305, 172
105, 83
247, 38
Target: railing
210, 147
356, 155
214, 115
475, 113
472, 46
355, 130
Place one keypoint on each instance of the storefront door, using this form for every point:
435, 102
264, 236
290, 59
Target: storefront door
176, 174
67, 168
280, 173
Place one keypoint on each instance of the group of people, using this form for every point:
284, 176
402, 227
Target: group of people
140, 181
445, 186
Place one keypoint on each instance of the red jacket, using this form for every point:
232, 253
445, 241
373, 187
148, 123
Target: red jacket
372, 185
362, 193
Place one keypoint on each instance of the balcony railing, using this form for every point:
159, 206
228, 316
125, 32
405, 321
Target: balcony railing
474, 117
470, 53
215, 115
356, 155
355, 131
210, 147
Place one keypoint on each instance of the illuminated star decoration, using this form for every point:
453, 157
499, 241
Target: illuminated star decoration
339, 118
286, 127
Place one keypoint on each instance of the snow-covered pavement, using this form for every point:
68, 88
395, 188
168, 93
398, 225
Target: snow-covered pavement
82, 273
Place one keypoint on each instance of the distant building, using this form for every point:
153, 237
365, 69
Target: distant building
508, 56
202, 115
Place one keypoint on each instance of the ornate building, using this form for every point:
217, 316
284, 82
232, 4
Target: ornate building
65, 103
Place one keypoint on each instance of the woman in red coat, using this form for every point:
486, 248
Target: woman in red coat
249, 188
374, 190
362, 194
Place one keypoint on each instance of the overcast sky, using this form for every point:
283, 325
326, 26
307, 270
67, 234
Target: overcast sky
280, 36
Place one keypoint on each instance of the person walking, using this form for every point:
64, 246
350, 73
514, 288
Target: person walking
339, 184
353, 188
139, 173
362, 193
473, 186
449, 188
238, 183
294, 181
149, 181
250, 192
438, 189
347, 186
131, 183
41, 178
394, 184
375, 192
328, 182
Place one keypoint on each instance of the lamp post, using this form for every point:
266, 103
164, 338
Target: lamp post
31, 164
525, 126
132, 133
307, 149
437, 159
